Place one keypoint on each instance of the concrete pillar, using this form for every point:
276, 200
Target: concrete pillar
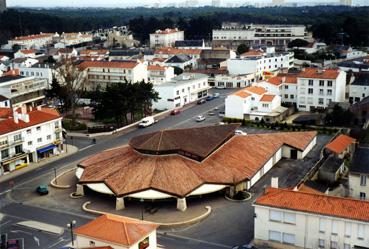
80, 190
119, 204
181, 204
232, 191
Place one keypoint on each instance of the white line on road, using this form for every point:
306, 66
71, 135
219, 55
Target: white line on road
57, 242
191, 239
85, 148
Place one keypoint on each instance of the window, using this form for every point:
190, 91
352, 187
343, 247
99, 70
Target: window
275, 236
17, 137
322, 225
334, 245
321, 101
4, 153
288, 238
56, 124
48, 137
334, 227
363, 180
290, 218
92, 243
29, 131
291, 96
347, 229
360, 231
321, 92
38, 128
330, 83
310, 91
18, 149
329, 92
29, 143
177, 92
311, 82
346, 246
275, 215
285, 87
39, 140
321, 243
362, 196
265, 105
321, 82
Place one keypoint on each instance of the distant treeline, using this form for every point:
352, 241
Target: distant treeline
326, 22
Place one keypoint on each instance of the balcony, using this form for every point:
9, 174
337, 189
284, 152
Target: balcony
14, 156
11, 143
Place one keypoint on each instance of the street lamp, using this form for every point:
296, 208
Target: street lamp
142, 208
71, 225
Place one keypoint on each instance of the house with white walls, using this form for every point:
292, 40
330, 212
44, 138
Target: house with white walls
317, 88
284, 85
32, 41
159, 74
25, 53
166, 38
181, 90
254, 103
128, 233
359, 174
359, 88
233, 81
28, 135
290, 219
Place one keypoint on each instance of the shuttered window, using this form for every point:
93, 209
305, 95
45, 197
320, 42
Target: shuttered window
290, 218
289, 238
275, 215
274, 236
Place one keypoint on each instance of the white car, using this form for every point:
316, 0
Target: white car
216, 95
240, 132
200, 118
145, 122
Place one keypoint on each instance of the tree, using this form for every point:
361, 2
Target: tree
242, 48
298, 43
178, 70
339, 117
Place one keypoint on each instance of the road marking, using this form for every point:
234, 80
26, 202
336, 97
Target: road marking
192, 239
20, 231
85, 148
37, 240
7, 222
57, 242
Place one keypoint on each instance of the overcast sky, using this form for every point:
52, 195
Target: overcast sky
129, 3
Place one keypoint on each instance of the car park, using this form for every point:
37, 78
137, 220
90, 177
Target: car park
200, 118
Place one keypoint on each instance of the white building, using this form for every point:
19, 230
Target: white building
25, 53
234, 34
105, 72
71, 39
295, 219
317, 88
23, 90
359, 89
32, 41
29, 136
181, 90
270, 62
233, 81
159, 74
166, 38
39, 71
128, 233
254, 103
284, 85
359, 174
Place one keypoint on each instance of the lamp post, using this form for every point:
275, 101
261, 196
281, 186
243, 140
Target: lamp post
71, 225
142, 208
56, 180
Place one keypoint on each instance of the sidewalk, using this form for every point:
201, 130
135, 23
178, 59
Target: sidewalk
32, 166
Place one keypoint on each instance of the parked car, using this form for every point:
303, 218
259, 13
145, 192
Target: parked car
240, 132
209, 98
42, 189
145, 122
221, 123
216, 95
175, 112
216, 108
211, 113
221, 114
248, 246
201, 101
200, 118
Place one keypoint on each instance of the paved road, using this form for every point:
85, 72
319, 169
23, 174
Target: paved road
16, 212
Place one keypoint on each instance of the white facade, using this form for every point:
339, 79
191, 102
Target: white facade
158, 75
358, 92
233, 81
359, 185
39, 71
32, 41
86, 242
166, 38
181, 90
314, 92
30, 144
285, 89
70, 39
258, 65
281, 228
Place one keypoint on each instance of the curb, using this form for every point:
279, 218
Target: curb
53, 184
163, 225
73, 196
232, 200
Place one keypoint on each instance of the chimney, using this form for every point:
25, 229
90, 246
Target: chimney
15, 116
274, 182
25, 118
38, 108
23, 109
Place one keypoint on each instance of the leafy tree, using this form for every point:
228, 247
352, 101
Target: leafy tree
242, 48
298, 43
178, 70
339, 117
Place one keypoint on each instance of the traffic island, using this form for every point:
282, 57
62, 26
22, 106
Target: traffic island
240, 196
64, 180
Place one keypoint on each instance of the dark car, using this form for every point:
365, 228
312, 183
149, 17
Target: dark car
175, 112
209, 98
201, 101
42, 189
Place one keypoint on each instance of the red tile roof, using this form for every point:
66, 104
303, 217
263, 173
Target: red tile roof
253, 53
242, 93
280, 79
108, 64
5, 112
155, 68
340, 144
175, 51
94, 52
35, 117
307, 189
28, 51
117, 229
267, 97
319, 74
256, 90
315, 203
32, 37
126, 171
